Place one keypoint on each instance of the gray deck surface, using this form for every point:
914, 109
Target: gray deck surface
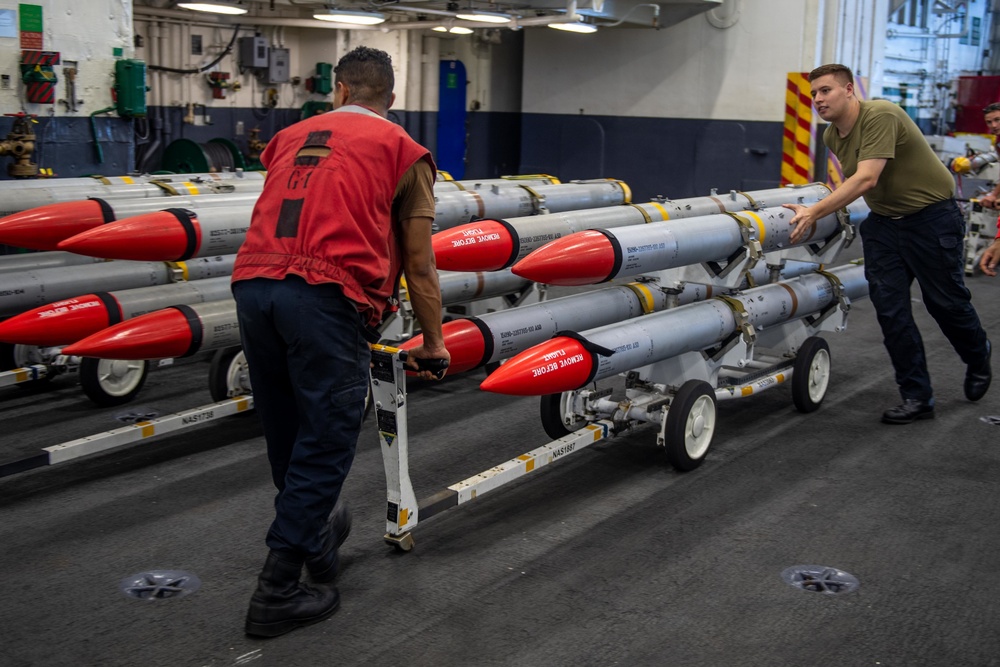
607, 557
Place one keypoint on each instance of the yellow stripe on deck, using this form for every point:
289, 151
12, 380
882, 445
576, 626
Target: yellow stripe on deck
529, 462
148, 429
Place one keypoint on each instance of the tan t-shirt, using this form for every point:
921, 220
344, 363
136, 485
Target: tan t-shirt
913, 177
414, 197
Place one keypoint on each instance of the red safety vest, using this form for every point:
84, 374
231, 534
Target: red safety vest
327, 215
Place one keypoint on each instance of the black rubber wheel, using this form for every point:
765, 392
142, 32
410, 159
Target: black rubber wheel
228, 375
811, 374
690, 425
551, 410
110, 382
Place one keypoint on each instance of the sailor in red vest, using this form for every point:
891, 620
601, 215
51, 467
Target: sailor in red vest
347, 207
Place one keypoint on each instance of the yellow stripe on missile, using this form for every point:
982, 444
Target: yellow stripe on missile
191, 187
645, 296
627, 190
664, 215
128, 179
183, 268
761, 232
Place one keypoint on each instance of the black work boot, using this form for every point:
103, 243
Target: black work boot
911, 410
323, 568
978, 376
280, 604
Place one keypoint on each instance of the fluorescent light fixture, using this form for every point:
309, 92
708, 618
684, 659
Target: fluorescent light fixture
575, 26
214, 7
455, 30
349, 16
483, 17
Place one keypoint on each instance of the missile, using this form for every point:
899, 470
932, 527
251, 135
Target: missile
42, 228
565, 363
461, 206
177, 331
183, 330
598, 255
23, 261
176, 234
160, 187
30, 289
69, 320
485, 339
460, 287
173, 234
139, 179
488, 245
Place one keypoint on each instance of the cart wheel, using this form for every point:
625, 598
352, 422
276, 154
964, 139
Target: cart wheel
18, 356
690, 425
109, 382
228, 375
551, 409
811, 374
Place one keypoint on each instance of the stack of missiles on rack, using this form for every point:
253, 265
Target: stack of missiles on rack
138, 267
172, 241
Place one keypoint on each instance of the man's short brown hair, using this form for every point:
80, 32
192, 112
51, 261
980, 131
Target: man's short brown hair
842, 72
990, 108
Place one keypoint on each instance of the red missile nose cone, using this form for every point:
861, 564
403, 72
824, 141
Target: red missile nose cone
57, 323
464, 342
555, 366
584, 258
151, 237
162, 334
479, 246
43, 227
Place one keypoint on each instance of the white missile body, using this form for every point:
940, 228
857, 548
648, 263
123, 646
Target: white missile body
30, 289
699, 326
460, 206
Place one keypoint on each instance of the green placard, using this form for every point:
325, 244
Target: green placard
30, 17
117, 52
451, 80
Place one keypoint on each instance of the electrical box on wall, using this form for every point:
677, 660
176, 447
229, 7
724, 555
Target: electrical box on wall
130, 88
322, 82
253, 52
277, 70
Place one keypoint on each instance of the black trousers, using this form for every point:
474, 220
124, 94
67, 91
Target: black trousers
926, 246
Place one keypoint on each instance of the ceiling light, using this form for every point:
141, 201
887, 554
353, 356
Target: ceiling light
455, 30
214, 6
349, 16
575, 26
483, 17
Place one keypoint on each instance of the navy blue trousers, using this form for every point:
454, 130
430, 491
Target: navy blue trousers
308, 363
926, 246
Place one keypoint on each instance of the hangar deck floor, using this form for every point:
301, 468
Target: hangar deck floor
608, 557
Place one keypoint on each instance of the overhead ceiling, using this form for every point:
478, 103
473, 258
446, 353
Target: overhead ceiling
409, 14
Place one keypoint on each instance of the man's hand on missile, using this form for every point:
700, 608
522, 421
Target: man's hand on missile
991, 257
803, 221
989, 200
